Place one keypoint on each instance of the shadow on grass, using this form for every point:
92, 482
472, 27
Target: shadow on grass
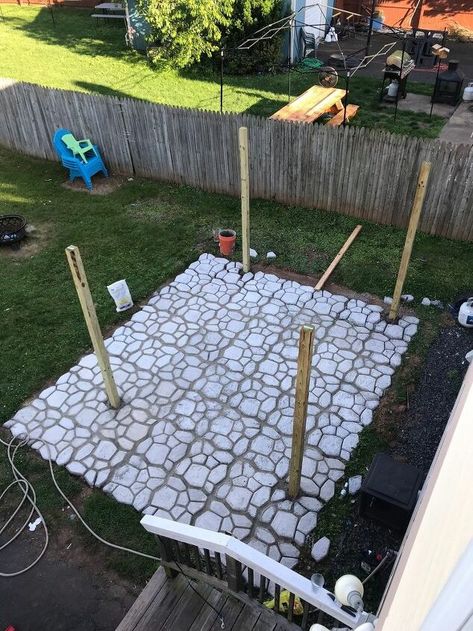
99, 88
264, 107
72, 28
259, 94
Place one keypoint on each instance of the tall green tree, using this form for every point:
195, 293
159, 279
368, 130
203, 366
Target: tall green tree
185, 30
250, 16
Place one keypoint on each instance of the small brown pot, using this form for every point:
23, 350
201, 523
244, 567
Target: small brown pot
226, 239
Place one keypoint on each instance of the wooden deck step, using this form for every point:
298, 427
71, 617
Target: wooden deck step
337, 120
172, 605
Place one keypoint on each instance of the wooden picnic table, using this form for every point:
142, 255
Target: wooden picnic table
110, 6
312, 104
110, 11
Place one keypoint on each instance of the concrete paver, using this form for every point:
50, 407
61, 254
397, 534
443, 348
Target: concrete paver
206, 374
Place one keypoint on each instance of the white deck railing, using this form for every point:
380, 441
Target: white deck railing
257, 561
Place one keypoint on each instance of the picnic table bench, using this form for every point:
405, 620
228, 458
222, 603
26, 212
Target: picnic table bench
314, 103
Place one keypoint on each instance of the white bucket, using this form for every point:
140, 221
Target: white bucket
465, 315
393, 89
121, 294
468, 92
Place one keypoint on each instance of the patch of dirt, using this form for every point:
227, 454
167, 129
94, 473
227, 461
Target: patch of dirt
100, 185
71, 587
308, 279
66, 590
37, 237
315, 256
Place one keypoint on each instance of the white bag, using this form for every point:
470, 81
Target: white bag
121, 294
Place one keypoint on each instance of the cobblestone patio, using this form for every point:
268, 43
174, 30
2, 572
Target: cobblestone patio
206, 374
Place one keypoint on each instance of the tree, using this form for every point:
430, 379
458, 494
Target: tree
250, 16
185, 30
247, 13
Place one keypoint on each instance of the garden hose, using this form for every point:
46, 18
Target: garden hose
29, 495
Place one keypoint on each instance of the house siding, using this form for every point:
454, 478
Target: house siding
431, 14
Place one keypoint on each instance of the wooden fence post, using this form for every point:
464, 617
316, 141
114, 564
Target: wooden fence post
411, 233
90, 316
304, 363
245, 197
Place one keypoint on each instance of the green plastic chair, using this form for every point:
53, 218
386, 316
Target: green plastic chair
78, 147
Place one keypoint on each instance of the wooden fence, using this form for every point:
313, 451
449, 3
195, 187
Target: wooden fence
360, 172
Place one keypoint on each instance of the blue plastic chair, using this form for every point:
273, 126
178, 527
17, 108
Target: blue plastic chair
76, 166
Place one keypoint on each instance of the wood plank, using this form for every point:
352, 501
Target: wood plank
245, 197
270, 619
107, 16
338, 258
338, 118
171, 605
192, 604
145, 599
304, 364
229, 612
462, 219
246, 620
207, 616
160, 610
90, 316
351, 183
265, 623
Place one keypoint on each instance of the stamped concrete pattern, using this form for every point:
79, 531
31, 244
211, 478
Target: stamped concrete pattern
206, 374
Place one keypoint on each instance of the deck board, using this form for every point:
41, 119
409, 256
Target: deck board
194, 603
207, 615
144, 600
247, 619
172, 605
230, 611
264, 624
163, 606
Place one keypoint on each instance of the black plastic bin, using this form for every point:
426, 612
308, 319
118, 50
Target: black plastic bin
389, 492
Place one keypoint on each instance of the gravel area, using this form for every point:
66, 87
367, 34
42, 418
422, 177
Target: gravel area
419, 434
435, 395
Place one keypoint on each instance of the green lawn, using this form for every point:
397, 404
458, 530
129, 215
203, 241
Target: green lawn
147, 232
75, 54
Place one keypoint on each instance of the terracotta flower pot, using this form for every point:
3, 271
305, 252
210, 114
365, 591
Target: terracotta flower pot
226, 239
